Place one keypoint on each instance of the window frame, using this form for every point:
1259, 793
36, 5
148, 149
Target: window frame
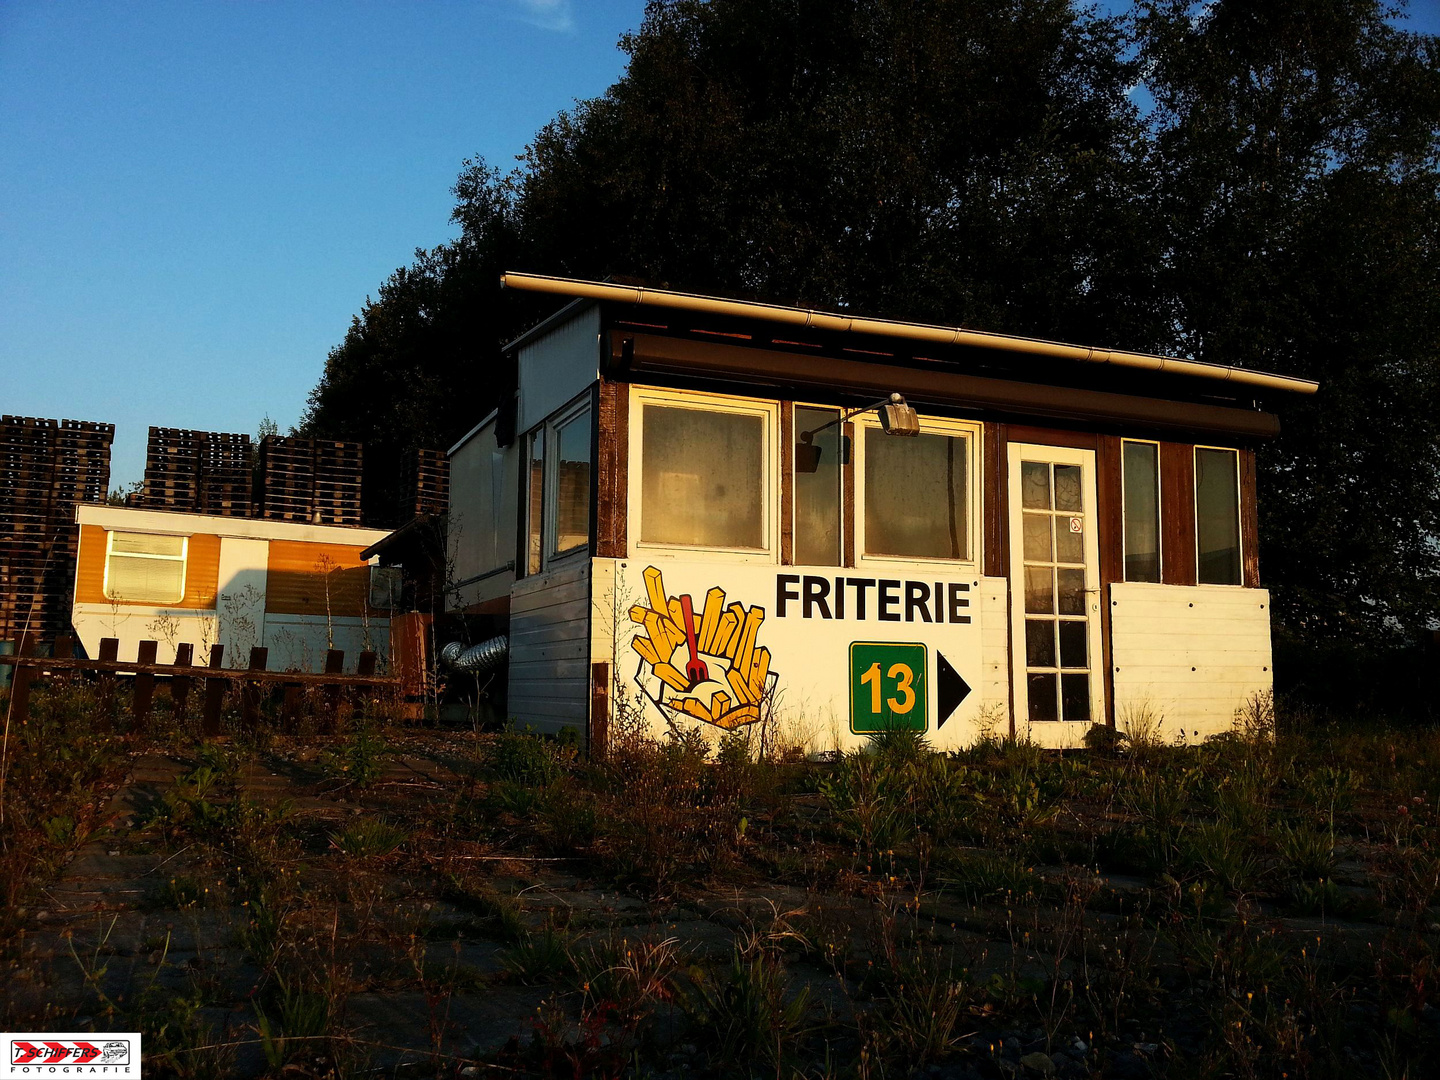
974, 433
1239, 514
111, 553
525, 503
550, 496
769, 412
1159, 517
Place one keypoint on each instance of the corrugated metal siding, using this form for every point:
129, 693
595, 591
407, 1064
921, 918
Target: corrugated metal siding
1191, 655
550, 648
556, 367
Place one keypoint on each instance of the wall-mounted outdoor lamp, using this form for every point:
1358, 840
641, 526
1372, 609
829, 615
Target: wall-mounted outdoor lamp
896, 418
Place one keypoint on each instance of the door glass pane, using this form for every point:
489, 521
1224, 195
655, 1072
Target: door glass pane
915, 501
1142, 511
1067, 488
1069, 544
817, 490
1034, 485
1041, 689
1075, 691
1037, 537
1039, 643
702, 478
1039, 590
572, 483
535, 500
1217, 516
1072, 644
1071, 591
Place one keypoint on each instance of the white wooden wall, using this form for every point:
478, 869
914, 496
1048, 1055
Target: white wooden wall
1188, 655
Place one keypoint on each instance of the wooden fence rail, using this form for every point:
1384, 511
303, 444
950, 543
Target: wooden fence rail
252, 682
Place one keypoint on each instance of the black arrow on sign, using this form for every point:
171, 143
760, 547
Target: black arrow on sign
950, 689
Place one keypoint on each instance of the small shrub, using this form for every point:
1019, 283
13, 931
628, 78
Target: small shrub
369, 837
537, 957
1305, 853
525, 759
360, 759
1221, 850
749, 1013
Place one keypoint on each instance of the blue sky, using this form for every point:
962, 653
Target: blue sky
196, 197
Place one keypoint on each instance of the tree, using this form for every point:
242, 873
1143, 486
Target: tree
982, 163
1298, 142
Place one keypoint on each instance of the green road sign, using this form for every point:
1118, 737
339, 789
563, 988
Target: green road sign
887, 687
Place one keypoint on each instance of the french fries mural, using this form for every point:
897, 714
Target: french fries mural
703, 664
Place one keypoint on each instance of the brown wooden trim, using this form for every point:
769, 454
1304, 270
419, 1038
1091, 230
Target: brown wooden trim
1249, 520
1110, 517
994, 472
764, 367
599, 735
848, 525
1044, 436
1177, 513
787, 483
612, 453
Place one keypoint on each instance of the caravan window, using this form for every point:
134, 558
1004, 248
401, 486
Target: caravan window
142, 568
569, 507
703, 476
1140, 463
918, 498
1217, 515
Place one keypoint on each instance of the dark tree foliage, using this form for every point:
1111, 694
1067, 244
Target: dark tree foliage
984, 163
1298, 145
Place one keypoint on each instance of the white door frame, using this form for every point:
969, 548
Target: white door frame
1055, 733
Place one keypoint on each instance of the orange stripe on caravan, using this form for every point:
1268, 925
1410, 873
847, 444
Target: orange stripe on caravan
305, 578
202, 570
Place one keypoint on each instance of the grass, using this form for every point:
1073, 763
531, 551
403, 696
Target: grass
1262, 905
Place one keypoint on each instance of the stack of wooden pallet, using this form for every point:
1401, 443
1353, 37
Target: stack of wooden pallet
225, 475
203, 472
427, 484
172, 469
338, 471
46, 468
310, 480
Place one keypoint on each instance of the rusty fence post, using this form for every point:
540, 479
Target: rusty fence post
143, 692
64, 647
365, 668
250, 691
214, 693
109, 651
20, 681
180, 684
334, 665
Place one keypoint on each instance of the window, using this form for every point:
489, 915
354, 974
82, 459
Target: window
916, 495
1217, 516
141, 568
703, 477
817, 489
1140, 464
557, 488
534, 498
570, 484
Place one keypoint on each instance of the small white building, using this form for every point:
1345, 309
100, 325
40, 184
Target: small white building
693, 510
172, 577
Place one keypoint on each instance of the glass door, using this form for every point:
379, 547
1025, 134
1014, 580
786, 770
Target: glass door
1054, 593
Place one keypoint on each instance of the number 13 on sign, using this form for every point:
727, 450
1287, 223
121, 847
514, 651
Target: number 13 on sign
887, 686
